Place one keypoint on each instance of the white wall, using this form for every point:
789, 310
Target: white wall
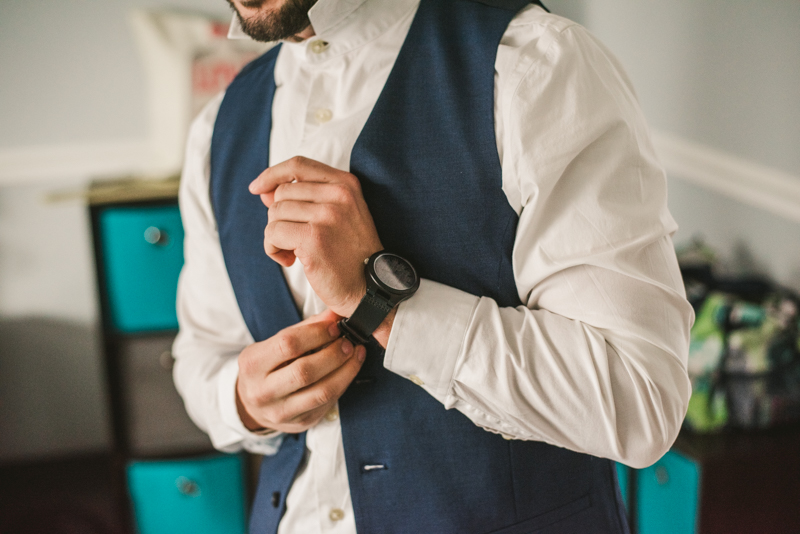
70, 75
723, 74
71, 72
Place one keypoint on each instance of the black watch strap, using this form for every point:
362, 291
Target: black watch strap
368, 316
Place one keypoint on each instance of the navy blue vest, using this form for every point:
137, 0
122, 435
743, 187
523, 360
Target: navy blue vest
430, 173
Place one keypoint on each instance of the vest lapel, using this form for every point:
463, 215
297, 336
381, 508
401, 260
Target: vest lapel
240, 153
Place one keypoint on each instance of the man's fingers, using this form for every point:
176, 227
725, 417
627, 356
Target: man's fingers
284, 258
335, 193
284, 236
309, 212
293, 211
342, 191
308, 419
296, 169
268, 198
306, 371
295, 341
326, 390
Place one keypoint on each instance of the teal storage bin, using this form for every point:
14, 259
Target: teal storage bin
142, 251
622, 477
668, 496
192, 496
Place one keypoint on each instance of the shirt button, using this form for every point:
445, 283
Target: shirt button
318, 46
323, 115
336, 514
417, 380
332, 415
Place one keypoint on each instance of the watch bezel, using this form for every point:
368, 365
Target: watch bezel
381, 285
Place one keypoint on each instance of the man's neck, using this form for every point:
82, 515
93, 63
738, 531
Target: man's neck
307, 33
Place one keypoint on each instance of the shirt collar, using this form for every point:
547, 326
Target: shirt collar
235, 29
346, 24
326, 15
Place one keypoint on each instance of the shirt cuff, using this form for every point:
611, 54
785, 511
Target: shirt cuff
226, 384
427, 336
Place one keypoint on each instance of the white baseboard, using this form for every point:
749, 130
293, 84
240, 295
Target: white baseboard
767, 188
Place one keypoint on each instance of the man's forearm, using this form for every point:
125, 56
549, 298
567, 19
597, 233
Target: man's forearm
539, 375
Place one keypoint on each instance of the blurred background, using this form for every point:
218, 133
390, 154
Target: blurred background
83, 98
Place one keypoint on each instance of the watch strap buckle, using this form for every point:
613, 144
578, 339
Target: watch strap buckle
349, 333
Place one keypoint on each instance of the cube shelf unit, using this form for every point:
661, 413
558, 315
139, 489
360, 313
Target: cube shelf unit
167, 474
729, 483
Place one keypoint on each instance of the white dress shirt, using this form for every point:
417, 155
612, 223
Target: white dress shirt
595, 360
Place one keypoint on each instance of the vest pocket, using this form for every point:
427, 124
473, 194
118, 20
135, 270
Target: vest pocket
548, 519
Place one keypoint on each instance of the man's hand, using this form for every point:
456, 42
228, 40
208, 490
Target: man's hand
317, 214
291, 380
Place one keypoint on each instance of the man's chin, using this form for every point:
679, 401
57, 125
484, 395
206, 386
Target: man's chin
289, 21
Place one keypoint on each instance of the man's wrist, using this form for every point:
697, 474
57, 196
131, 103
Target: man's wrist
390, 279
247, 420
354, 301
381, 334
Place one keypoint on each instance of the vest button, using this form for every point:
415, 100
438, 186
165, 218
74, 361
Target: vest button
332, 415
417, 380
336, 514
323, 115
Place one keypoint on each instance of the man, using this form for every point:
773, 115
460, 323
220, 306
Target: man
499, 151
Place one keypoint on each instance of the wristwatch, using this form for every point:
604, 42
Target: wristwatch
391, 279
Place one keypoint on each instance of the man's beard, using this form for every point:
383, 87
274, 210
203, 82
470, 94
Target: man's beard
282, 23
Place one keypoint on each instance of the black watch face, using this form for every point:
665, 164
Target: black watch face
395, 272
